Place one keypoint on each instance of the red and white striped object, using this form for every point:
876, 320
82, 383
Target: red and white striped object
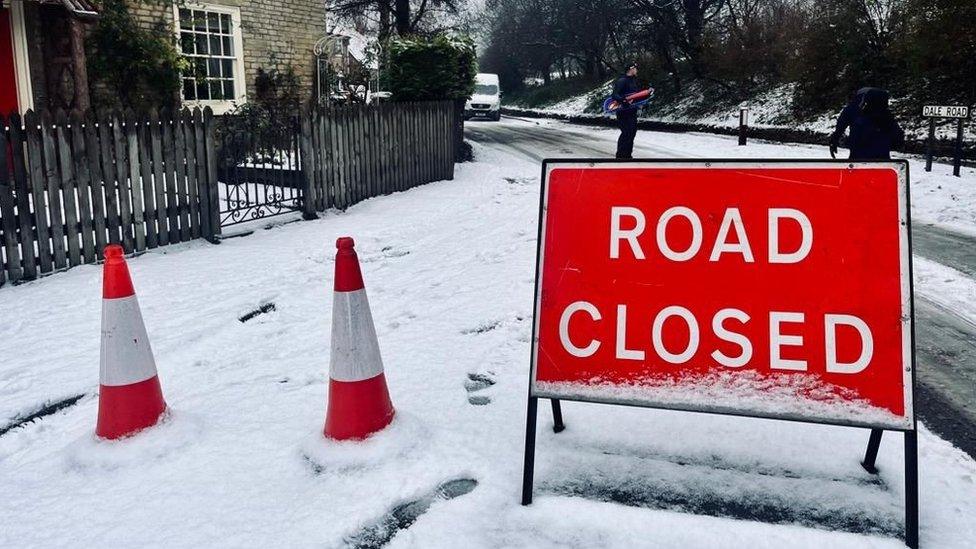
359, 401
129, 397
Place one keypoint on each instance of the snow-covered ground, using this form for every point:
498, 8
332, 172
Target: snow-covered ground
449, 269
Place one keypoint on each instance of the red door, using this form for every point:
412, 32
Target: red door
8, 78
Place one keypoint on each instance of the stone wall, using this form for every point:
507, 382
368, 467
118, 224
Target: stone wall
275, 33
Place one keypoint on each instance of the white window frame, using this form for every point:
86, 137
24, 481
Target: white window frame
18, 35
219, 106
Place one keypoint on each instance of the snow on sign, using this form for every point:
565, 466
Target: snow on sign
760, 288
945, 111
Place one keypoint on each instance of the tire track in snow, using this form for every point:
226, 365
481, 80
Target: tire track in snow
45, 410
401, 517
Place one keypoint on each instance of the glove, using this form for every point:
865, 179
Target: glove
834, 141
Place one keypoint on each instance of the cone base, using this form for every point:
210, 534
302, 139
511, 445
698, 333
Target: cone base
358, 409
126, 409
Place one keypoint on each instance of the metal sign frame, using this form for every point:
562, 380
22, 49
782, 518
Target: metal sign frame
909, 428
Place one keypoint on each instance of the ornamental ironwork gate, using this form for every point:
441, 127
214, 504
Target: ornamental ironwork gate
259, 170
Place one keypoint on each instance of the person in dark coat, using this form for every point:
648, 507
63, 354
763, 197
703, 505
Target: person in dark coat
627, 113
874, 130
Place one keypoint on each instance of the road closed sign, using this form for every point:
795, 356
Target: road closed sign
759, 288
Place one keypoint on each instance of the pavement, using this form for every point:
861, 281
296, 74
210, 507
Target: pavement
945, 341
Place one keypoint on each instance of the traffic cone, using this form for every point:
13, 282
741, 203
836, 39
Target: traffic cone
359, 402
129, 396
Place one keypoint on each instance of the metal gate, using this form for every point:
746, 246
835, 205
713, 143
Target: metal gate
259, 170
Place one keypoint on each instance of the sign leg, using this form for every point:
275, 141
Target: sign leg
957, 161
929, 144
911, 489
528, 466
557, 416
871, 455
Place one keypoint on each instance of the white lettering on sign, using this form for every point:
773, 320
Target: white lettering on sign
731, 222
580, 352
778, 340
696, 233
945, 111
617, 213
722, 333
622, 351
830, 334
657, 334
806, 243
722, 245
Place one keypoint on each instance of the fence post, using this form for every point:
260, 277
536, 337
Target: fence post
212, 191
9, 225
307, 161
27, 235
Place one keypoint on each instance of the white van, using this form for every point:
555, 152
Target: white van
486, 99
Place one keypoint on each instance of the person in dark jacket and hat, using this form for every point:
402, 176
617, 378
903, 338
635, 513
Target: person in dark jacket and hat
874, 130
627, 113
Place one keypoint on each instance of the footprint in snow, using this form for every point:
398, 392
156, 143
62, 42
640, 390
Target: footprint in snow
475, 384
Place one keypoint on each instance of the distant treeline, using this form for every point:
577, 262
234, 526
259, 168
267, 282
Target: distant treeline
923, 51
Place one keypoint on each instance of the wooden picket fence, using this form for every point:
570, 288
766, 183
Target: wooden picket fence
71, 185
351, 153
79, 183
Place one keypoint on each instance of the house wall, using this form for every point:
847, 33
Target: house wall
274, 32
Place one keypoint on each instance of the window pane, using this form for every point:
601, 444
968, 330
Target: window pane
189, 89
228, 49
202, 44
227, 68
225, 23
186, 43
200, 68
185, 19
203, 90
213, 66
229, 89
214, 22
216, 90
199, 20
214, 45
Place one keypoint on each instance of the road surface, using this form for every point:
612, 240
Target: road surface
945, 341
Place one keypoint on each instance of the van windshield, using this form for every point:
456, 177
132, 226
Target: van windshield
485, 89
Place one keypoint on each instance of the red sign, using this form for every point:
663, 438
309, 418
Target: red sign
760, 288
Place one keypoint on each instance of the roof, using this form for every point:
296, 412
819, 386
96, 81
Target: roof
82, 9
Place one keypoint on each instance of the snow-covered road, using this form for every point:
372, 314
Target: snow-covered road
449, 269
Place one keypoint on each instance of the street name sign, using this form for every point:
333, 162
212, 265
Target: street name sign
945, 111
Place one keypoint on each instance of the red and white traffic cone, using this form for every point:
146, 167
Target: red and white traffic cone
359, 402
129, 396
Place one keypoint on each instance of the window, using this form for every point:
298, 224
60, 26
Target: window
209, 36
485, 89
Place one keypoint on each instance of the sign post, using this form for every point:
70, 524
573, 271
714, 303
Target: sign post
960, 113
928, 145
701, 285
743, 124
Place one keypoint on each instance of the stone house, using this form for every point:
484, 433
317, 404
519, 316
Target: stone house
43, 61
